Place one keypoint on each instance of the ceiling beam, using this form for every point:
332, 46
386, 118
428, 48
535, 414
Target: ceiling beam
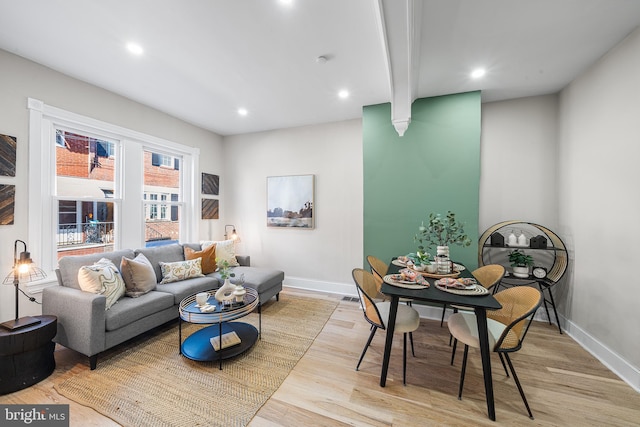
399, 25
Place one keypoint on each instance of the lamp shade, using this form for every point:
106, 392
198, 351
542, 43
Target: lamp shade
233, 235
24, 270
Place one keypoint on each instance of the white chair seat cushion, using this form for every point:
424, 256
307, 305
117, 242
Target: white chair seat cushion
407, 318
464, 327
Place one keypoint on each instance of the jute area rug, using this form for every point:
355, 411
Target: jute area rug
147, 383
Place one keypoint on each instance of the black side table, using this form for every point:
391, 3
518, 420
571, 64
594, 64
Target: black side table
26, 354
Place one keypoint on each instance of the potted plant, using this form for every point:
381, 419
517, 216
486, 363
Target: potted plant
520, 263
441, 232
225, 292
224, 269
419, 259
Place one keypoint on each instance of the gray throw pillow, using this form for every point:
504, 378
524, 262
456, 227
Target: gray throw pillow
138, 274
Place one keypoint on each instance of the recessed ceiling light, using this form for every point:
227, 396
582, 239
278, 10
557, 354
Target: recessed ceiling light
135, 48
343, 94
478, 72
243, 111
286, 2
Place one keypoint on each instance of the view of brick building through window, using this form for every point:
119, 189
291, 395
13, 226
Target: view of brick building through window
85, 172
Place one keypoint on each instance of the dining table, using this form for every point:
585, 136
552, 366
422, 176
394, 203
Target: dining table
480, 303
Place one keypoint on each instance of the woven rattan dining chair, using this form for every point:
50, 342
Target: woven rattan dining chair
507, 328
488, 276
377, 314
379, 269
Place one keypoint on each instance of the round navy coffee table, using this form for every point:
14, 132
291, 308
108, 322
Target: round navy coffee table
198, 346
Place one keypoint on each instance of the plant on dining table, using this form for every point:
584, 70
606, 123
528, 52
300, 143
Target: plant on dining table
419, 257
441, 231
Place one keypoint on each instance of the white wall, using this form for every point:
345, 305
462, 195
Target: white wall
599, 204
518, 162
584, 178
514, 133
22, 79
321, 258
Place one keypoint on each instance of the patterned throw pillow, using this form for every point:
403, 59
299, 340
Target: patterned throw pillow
103, 278
138, 274
181, 270
208, 256
225, 251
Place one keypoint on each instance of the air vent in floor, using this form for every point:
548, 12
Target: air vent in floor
351, 299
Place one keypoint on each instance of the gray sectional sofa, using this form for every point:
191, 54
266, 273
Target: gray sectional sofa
85, 326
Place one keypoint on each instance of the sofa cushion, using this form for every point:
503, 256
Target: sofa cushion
180, 270
139, 277
102, 278
182, 289
166, 253
68, 266
225, 251
208, 256
128, 310
256, 278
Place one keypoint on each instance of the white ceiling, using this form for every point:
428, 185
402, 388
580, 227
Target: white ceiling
204, 59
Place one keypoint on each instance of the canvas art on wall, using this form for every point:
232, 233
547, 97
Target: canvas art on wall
210, 184
209, 208
290, 201
7, 155
7, 203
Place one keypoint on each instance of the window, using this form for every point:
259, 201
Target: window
162, 183
76, 174
164, 160
85, 174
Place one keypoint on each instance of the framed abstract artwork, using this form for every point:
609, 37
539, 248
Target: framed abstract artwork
210, 184
7, 155
210, 209
7, 203
290, 201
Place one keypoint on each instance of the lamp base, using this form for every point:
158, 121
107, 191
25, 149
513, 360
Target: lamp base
20, 323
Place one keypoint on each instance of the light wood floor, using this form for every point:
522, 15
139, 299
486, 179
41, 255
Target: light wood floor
564, 384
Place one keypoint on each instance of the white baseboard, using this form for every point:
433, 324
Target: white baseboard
619, 366
316, 285
627, 372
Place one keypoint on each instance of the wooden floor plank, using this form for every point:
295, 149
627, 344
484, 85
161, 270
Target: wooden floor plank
565, 385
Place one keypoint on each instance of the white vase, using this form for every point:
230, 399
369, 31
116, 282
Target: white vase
522, 272
239, 293
225, 293
442, 260
522, 239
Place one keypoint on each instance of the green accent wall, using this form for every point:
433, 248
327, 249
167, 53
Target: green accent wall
434, 167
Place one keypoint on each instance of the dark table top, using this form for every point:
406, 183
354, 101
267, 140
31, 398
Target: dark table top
434, 294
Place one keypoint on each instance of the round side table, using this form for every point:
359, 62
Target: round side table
26, 354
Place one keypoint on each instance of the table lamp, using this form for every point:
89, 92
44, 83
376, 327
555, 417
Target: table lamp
233, 236
25, 271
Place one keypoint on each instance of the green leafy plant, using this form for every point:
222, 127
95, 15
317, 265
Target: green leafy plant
225, 269
441, 231
520, 259
419, 257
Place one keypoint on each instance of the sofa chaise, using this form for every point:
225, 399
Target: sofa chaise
84, 324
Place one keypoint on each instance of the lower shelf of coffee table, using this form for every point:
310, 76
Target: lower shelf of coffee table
198, 345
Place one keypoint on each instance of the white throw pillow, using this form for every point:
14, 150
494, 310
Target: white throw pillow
181, 270
102, 278
225, 251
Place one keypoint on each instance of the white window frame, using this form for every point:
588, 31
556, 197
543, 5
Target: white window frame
43, 119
